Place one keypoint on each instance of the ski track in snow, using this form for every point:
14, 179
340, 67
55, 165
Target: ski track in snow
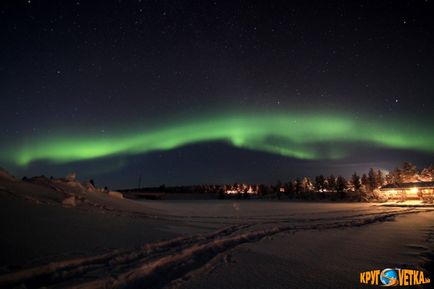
165, 263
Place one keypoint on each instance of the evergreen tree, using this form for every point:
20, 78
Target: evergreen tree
341, 186
365, 183
221, 194
372, 180
277, 189
307, 188
395, 176
331, 183
245, 194
427, 174
409, 172
380, 178
261, 190
355, 181
298, 188
319, 183
307, 185
290, 189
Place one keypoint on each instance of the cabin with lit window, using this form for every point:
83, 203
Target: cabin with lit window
409, 191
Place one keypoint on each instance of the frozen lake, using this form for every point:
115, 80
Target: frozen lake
208, 243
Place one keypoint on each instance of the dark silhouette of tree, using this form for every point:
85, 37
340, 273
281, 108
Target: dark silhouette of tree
298, 188
290, 189
380, 178
355, 181
162, 188
341, 186
270, 189
365, 185
395, 176
261, 190
372, 180
222, 194
277, 189
331, 180
319, 183
245, 194
357, 185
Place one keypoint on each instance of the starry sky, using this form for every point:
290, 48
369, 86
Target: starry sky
191, 92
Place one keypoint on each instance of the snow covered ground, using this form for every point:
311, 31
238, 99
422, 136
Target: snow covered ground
106, 242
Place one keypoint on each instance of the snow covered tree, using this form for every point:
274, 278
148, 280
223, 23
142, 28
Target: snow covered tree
427, 174
307, 185
394, 176
409, 173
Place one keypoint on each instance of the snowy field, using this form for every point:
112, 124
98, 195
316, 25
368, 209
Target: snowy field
106, 242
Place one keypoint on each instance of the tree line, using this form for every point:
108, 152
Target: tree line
363, 187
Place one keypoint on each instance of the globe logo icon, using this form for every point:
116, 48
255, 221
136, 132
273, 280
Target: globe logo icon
389, 277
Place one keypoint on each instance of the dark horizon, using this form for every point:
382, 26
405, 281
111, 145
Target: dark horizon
141, 178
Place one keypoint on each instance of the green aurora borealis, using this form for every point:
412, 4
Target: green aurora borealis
304, 136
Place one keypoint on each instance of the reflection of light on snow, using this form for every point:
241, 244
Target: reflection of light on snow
231, 192
241, 189
236, 206
414, 190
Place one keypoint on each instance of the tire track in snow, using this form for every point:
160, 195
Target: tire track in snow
55, 272
158, 264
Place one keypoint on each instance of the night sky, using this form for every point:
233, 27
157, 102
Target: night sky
191, 92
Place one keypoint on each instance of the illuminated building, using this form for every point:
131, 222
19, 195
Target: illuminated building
409, 191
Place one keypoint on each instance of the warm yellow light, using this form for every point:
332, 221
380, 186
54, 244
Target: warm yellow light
414, 190
231, 192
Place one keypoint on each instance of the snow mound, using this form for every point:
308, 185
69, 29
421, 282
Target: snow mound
71, 177
69, 201
115, 194
6, 175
